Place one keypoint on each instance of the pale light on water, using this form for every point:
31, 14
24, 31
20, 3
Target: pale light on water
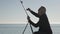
18, 29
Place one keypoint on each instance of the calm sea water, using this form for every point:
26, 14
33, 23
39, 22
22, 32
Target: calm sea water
18, 29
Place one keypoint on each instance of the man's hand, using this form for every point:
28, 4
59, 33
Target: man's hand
28, 18
28, 9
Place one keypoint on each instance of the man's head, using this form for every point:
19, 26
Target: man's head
41, 10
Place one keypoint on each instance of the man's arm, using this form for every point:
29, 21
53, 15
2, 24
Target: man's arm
33, 13
35, 25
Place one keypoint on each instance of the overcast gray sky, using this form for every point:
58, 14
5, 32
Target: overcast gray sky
11, 11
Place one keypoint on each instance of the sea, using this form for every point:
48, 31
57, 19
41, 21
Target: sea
19, 28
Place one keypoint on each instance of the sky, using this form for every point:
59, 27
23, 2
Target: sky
12, 12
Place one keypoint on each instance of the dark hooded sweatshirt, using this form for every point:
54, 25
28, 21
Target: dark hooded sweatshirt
43, 23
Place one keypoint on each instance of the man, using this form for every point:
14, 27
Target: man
43, 23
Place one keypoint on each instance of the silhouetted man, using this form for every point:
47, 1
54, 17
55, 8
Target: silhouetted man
43, 23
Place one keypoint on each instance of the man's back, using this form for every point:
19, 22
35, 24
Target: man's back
44, 25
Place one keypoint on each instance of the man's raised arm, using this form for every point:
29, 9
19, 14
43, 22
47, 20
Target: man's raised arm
33, 12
